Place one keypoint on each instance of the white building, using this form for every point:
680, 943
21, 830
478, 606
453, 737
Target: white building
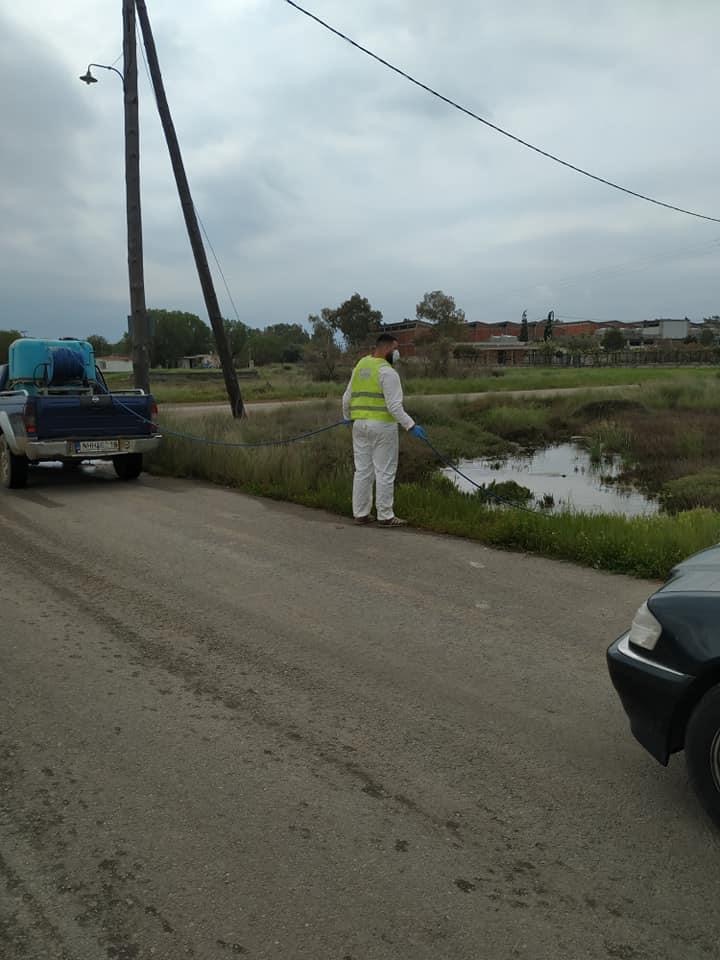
200, 361
652, 332
114, 364
670, 329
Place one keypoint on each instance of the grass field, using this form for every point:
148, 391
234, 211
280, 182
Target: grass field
291, 382
650, 432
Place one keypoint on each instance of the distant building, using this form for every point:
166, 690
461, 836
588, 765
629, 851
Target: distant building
586, 328
480, 331
408, 333
200, 361
652, 332
411, 333
503, 350
114, 364
667, 329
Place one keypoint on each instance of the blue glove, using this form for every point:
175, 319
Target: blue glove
417, 431
347, 423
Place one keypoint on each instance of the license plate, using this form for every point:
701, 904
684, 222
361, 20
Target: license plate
97, 446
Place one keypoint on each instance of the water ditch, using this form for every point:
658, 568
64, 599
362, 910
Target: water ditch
561, 477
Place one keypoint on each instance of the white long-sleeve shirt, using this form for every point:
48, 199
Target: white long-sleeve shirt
393, 393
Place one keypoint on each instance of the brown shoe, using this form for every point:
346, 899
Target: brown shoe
363, 521
393, 522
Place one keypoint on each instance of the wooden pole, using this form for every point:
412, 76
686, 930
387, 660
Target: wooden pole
138, 312
191, 222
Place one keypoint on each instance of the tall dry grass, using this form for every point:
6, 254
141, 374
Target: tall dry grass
318, 473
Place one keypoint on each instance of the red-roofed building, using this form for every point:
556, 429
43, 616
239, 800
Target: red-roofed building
410, 333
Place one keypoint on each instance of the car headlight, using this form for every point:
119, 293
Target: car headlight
645, 630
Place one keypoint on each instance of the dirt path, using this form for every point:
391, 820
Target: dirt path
198, 409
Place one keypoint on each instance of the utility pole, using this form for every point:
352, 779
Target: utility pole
191, 222
138, 312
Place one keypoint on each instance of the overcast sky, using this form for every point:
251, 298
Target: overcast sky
319, 173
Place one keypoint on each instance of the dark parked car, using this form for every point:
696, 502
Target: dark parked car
666, 670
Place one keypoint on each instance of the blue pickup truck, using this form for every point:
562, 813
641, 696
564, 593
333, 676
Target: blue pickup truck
55, 405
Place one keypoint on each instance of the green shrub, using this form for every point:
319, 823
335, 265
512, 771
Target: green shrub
685, 393
504, 490
690, 443
606, 408
609, 437
524, 422
697, 490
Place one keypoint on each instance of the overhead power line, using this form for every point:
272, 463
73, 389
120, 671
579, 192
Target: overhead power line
220, 269
493, 126
202, 225
629, 266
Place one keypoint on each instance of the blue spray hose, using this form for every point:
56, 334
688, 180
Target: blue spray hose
240, 445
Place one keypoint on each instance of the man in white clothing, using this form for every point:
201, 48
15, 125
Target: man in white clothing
373, 402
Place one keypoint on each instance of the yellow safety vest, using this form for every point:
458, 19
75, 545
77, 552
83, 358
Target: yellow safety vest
367, 401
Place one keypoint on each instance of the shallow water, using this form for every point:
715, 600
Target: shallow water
565, 473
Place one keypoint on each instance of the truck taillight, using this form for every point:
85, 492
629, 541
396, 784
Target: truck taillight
29, 419
154, 417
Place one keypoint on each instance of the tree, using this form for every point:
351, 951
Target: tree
322, 355
278, 343
292, 338
265, 347
6, 338
355, 319
177, 335
440, 308
613, 340
547, 351
549, 324
524, 333
237, 334
100, 345
583, 345
439, 353
124, 345
580, 348
707, 337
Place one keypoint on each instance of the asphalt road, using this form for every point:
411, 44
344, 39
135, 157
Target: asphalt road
236, 728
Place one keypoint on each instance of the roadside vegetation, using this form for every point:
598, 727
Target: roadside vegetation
665, 435
294, 382
667, 440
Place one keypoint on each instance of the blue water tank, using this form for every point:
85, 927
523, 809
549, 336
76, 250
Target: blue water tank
50, 361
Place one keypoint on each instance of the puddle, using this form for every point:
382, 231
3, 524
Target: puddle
565, 473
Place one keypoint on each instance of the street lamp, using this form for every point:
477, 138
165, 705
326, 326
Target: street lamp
88, 78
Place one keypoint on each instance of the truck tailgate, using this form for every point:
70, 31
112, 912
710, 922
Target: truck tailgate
89, 418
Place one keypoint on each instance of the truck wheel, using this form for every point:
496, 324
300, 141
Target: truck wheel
702, 752
13, 468
129, 466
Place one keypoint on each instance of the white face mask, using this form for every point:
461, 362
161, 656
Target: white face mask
395, 356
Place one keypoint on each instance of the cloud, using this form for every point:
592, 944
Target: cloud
318, 173
40, 152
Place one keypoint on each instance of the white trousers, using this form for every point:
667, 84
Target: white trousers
375, 448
